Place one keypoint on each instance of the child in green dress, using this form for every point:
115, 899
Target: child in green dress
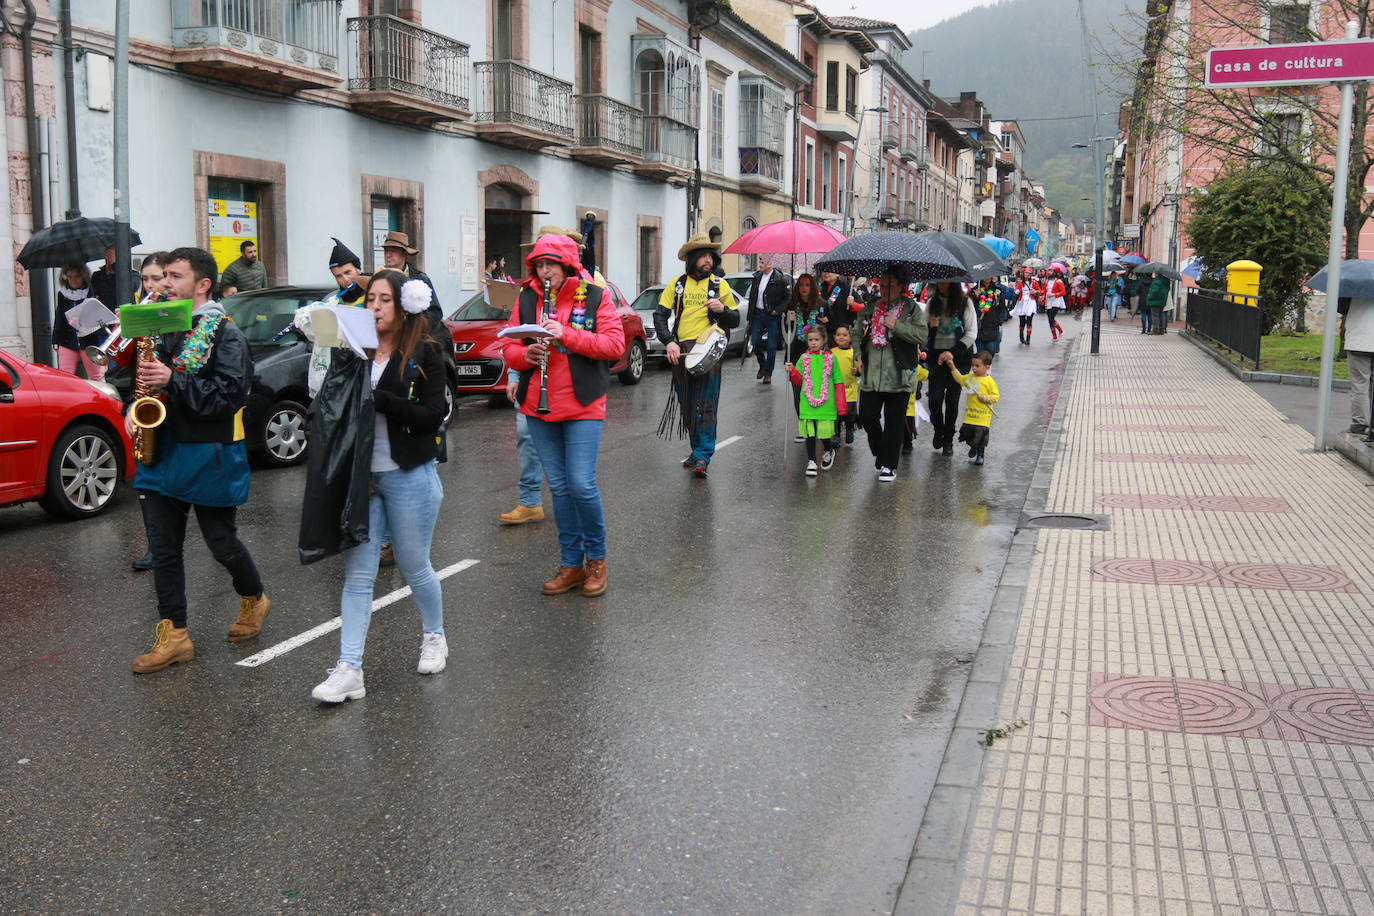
822, 400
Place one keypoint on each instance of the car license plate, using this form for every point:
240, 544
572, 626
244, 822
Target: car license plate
469, 370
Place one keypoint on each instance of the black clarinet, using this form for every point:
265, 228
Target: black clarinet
543, 406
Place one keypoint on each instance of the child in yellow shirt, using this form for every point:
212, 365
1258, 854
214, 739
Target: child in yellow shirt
913, 404
844, 362
982, 394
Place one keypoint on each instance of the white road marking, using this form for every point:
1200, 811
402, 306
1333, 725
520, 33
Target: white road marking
721, 445
329, 626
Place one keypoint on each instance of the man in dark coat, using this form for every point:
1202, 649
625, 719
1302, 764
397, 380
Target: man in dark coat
767, 302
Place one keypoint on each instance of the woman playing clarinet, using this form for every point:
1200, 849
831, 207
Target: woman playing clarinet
570, 372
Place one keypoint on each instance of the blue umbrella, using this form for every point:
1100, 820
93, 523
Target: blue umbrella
1002, 246
1132, 259
1193, 267
870, 255
1357, 280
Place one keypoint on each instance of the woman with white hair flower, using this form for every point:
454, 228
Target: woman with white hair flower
408, 393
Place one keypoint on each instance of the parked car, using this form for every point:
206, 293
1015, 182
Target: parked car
647, 301
482, 364
62, 440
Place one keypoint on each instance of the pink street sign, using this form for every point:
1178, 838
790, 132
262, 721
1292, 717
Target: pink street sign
1291, 65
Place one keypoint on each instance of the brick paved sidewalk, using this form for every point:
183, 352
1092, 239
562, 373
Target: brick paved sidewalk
1198, 681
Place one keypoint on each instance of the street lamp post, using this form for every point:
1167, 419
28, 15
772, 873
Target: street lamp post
853, 157
1099, 232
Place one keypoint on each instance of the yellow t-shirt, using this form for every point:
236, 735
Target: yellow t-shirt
976, 413
922, 373
694, 312
844, 361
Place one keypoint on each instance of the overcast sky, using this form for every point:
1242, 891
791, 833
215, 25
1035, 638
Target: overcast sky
906, 14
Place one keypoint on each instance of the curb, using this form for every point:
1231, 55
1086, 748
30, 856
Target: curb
933, 871
1253, 375
1358, 451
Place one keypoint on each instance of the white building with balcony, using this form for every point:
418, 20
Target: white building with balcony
466, 125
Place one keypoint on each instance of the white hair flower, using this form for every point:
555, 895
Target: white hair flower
416, 296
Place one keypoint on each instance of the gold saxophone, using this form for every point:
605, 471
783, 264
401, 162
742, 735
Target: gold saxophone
147, 410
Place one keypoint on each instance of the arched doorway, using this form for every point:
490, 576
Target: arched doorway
507, 225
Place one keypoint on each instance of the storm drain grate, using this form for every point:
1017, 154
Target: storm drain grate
1068, 521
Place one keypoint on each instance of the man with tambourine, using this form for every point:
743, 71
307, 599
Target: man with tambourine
705, 310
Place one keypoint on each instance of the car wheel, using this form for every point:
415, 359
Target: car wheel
83, 471
634, 364
450, 404
283, 434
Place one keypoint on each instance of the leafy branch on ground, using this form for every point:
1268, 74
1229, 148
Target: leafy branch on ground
989, 735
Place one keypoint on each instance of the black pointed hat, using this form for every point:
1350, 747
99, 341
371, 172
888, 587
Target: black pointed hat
341, 255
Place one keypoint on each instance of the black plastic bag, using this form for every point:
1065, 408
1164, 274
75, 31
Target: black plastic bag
338, 473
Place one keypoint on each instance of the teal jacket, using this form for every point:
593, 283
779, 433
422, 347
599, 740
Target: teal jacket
1158, 297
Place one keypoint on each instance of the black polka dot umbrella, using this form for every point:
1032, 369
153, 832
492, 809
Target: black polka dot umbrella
870, 255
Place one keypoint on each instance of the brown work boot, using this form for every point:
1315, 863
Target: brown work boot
596, 578
252, 612
567, 579
521, 514
170, 644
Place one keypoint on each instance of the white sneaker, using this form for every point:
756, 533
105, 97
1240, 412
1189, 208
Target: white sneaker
344, 683
827, 460
799, 439
886, 475
810, 469
433, 654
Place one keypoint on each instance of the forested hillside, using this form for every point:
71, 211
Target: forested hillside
1025, 60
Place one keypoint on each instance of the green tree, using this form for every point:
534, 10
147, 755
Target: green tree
1264, 213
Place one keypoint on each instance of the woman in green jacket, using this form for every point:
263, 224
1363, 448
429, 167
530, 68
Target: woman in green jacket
889, 352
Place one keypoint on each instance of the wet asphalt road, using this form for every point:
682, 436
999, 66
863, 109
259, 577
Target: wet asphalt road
749, 721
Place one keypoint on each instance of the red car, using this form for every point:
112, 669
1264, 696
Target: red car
481, 367
62, 440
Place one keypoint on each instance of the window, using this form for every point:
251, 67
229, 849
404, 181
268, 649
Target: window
1280, 131
809, 174
1288, 24
748, 261
809, 93
842, 184
716, 128
832, 86
825, 179
589, 66
851, 91
648, 256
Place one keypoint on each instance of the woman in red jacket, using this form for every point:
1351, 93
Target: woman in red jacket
585, 337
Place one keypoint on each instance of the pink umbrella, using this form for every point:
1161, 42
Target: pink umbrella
791, 236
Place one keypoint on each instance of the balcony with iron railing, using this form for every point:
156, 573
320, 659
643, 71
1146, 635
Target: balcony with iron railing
669, 149
914, 151
520, 106
609, 132
277, 45
888, 211
910, 212
891, 133
400, 71
760, 169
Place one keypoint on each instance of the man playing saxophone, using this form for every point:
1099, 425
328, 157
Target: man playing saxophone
199, 460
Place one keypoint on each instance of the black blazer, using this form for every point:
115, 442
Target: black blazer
775, 296
412, 400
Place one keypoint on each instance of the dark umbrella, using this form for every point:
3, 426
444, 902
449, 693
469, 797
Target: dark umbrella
978, 258
70, 241
1357, 280
1158, 267
870, 255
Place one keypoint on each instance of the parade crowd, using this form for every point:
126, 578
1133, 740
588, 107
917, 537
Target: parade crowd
871, 355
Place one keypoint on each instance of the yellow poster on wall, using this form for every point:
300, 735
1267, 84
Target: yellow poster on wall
232, 222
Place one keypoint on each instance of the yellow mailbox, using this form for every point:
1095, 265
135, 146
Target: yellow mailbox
1243, 277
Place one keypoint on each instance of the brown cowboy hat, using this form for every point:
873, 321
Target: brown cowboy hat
696, 242
399, 240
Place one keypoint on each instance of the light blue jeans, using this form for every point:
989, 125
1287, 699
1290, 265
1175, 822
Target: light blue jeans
531, 471
407, 501
568, 450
